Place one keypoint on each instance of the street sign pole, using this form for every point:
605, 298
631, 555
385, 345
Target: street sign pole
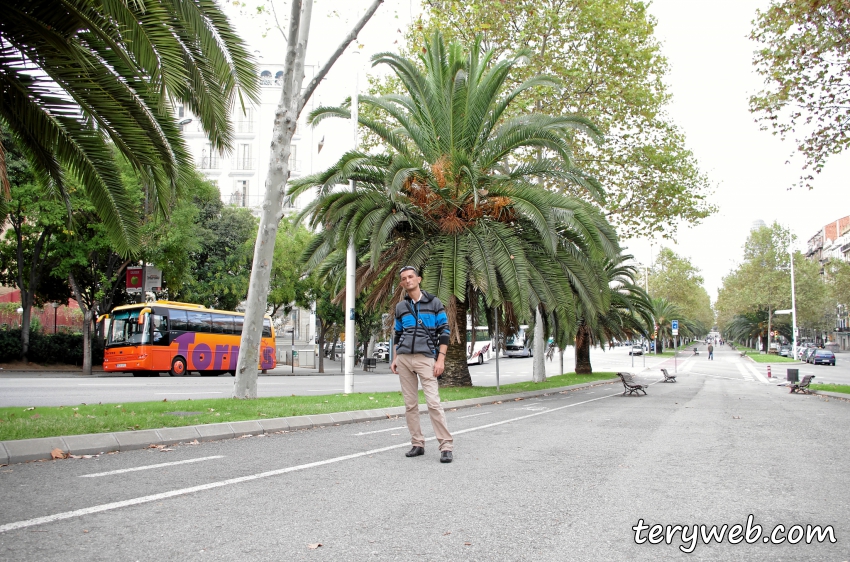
674, 325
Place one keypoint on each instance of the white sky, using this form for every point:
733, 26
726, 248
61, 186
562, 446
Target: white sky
711, 77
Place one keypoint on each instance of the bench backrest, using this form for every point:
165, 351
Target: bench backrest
807, 380
666, 374
627, 377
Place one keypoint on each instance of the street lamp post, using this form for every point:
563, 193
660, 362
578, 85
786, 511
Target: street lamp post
55, 306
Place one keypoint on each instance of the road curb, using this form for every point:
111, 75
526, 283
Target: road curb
839, 395
25, 450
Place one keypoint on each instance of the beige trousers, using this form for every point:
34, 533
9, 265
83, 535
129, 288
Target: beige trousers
411, 366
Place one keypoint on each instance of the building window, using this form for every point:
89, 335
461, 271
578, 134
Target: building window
245, 122
294, 163
209, 158
278, 78
266, 78
239, 197
243, 157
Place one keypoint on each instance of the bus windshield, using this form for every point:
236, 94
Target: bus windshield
126, 330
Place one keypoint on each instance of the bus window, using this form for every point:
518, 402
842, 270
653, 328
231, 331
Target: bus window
238, 322
222, 324
125, 328
199, 321
178, 320
160, 329
267, 328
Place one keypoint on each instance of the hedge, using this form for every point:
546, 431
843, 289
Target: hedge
48, 348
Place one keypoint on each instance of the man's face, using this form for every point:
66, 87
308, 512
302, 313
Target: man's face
409, 279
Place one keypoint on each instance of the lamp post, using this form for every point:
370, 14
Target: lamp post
55, 306
20, 312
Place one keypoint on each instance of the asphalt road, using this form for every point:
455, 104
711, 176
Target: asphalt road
564, 477
45, 389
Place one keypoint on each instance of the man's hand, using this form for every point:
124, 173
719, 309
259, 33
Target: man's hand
393, 366
439, 366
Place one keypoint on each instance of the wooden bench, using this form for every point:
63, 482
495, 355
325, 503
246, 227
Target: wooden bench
667, 376
630, 385
696, 351
803, 385
370, 363
743, 354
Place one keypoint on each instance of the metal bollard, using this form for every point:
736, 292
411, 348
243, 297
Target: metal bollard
768, 371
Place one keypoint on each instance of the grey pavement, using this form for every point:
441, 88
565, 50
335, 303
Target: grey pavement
559, 477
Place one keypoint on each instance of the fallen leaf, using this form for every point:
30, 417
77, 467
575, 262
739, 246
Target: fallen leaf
314, 546
736, 417
164, 449
89, 416
195, 442
467, 544
57, 453
35, 416
447, 533
165, 399
518, 399
499, 402
118, 406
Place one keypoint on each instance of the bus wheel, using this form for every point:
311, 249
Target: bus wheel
480, 359
178, 367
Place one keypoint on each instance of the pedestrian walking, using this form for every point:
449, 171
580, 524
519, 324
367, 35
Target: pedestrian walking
710, 352
421, 341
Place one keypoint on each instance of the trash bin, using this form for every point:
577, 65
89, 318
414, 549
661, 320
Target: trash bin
793, 375
295, 358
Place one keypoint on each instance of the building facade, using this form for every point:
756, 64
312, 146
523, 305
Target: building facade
832, 242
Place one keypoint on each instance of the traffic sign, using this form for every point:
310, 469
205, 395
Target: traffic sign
674, 324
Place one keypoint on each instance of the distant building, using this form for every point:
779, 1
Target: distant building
241, 175
833, 242
757, 224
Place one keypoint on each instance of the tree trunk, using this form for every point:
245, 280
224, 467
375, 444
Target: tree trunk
583, 339
26, 316
457, 370
659, 345
88, 319
561, 353
538, 371
291, 103
322, 330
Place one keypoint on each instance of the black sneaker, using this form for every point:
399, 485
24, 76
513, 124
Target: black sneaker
415, 452
446, 456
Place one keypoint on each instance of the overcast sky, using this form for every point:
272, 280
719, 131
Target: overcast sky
711, 77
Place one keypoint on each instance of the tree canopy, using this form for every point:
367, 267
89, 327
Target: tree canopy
612, 72
77, 78
450, 197
674, 278
804, 58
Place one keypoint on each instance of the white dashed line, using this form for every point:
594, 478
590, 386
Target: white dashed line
473, 415
148, 467
379, 431
261, 475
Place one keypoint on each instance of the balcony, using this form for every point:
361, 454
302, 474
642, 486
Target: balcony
244, 164
244, 126
209, 163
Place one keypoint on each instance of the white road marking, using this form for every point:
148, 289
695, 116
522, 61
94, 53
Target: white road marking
743, 370
689, 364
160, 465
379, 431
718, 377
196, 392
759, 377
473, 415
251, 477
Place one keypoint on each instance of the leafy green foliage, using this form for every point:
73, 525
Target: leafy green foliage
78, 78
804, 58
612, 72
452, 198
287, 283
46, 349
674, 278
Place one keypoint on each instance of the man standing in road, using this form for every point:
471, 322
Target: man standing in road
710, 352
421, 341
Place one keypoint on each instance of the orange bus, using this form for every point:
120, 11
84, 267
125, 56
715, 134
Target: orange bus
178, 338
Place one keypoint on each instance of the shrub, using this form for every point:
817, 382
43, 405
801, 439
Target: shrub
50, 349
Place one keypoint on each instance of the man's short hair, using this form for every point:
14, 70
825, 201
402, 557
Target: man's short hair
409, 268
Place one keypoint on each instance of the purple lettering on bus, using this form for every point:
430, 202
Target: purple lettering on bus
201, 356
268, 358
220, 355
234, 356
183, 341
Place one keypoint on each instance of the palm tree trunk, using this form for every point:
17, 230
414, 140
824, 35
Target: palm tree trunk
583, 366
457, 371
538, 371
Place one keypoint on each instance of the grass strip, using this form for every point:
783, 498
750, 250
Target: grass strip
53, 421
758, 358
843, 388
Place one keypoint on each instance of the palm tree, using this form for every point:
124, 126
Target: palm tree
77, 77
451, 198
664, 312
626, 316
750, 326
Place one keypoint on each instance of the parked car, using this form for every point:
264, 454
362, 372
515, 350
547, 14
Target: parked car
823, 357
636, 350
807, 356
785, 350
519, 345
